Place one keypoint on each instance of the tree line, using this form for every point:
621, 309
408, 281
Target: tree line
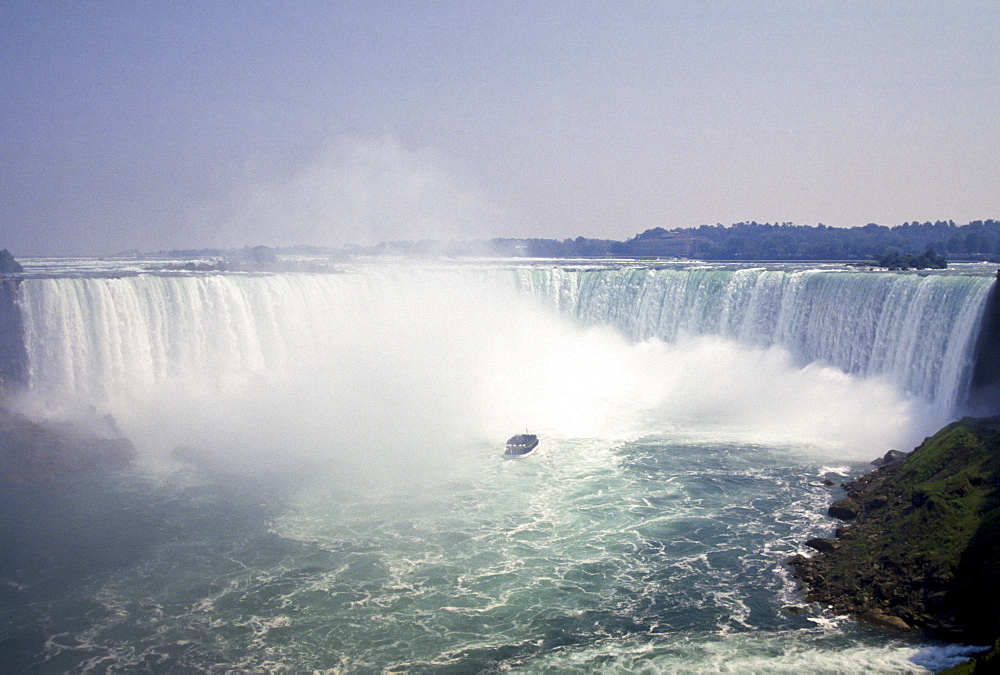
916, 244
910, 245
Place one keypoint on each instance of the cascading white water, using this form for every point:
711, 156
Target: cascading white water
917, 331
390, 356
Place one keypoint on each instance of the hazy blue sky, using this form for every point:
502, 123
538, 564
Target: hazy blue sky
186, 124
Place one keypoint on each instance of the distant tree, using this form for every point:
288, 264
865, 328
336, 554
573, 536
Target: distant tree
894, 260
261, 255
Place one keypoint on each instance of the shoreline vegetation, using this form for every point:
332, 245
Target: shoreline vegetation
908, 246
919, 543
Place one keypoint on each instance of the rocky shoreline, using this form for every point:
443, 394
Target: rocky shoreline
32, 451
919, 547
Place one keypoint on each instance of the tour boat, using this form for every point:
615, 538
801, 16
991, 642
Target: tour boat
521, 445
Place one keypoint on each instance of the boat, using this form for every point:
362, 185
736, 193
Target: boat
521, 445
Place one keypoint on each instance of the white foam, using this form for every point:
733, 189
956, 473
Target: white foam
383, 369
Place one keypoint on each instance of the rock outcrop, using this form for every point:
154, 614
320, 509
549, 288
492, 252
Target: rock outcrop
13, 355
921, 546
844, 509
8, 265
31, 451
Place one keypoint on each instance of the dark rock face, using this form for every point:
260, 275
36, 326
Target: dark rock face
890, 457
8, 265
923, 546
844, 509
13, 355
30, 451
822, 545
883, 620
984, 387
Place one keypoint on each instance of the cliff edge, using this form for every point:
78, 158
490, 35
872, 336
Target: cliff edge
921, 542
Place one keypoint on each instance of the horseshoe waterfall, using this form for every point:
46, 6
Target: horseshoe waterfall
319, 481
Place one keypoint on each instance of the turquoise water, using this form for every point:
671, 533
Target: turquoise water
648, 555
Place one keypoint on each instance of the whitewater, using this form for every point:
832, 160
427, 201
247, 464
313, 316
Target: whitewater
321, 482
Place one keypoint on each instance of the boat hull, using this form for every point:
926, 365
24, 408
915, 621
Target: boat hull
521, 445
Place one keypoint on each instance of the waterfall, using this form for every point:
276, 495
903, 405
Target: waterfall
918, 331
382, 351
96, 338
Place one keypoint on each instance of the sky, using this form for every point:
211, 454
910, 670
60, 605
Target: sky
153, 125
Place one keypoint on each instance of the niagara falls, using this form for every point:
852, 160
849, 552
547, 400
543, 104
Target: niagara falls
320, 480
478, 336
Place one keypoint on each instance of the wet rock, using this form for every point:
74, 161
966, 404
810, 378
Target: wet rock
32, 451
845, 509
822, 545
921, 549
879, 618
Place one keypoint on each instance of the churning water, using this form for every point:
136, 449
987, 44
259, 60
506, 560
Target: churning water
341, 500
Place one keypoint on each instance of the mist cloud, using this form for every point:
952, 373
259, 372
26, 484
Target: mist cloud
361, 191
